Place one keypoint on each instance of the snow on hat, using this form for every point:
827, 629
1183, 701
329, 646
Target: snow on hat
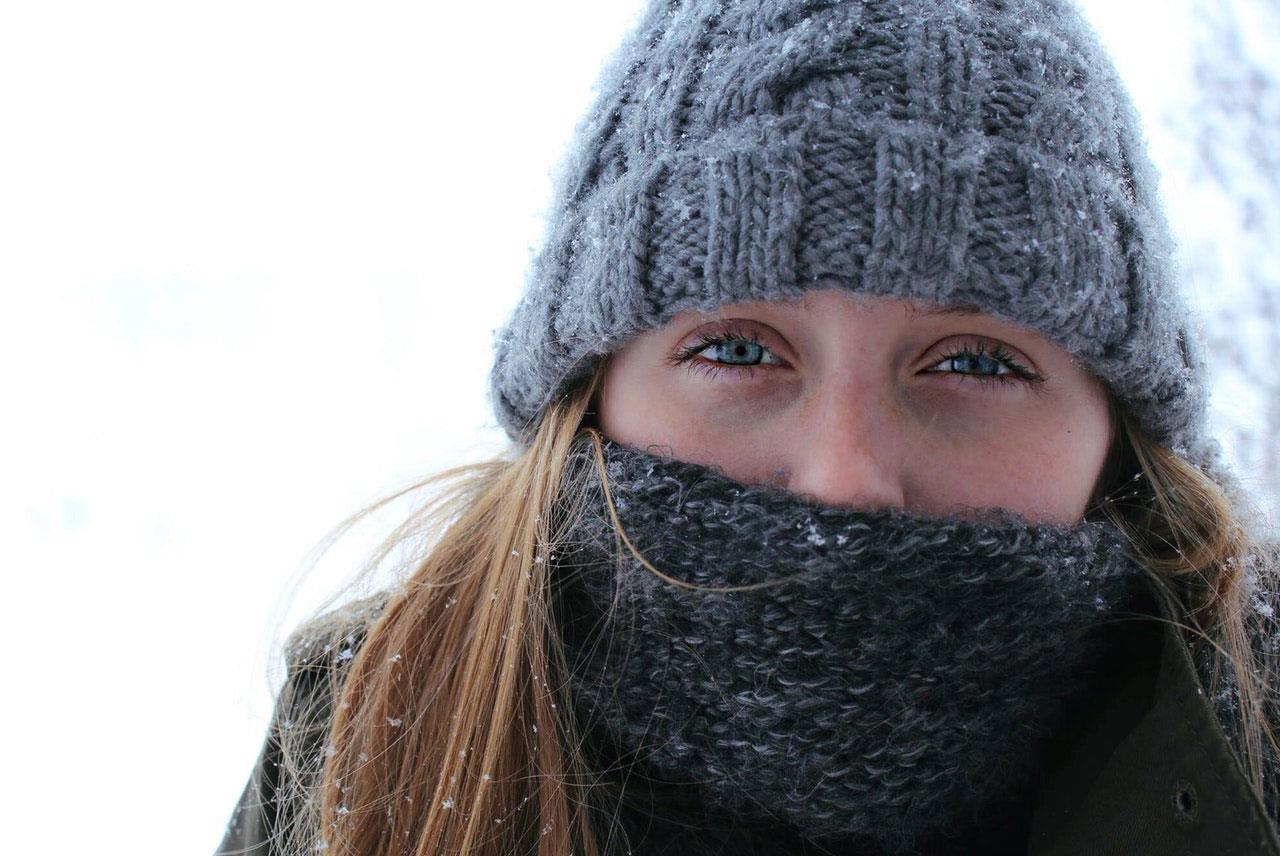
978, 152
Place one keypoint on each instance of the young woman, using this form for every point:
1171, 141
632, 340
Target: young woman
860, 499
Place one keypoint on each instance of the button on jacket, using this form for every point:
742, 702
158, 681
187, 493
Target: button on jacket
1140, 768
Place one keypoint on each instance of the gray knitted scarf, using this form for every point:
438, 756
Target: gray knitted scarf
909, 673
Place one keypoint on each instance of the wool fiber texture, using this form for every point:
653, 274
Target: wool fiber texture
910, 675
978, 152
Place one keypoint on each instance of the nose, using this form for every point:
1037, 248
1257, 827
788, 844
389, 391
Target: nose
849, 450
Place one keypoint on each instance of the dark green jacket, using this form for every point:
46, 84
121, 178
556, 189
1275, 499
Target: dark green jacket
1142, 768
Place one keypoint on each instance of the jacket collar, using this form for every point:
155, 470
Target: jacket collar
1141, 766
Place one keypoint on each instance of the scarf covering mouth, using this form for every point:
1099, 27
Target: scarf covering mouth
912, 671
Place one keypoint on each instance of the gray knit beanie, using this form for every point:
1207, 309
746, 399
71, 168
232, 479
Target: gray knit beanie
956, 151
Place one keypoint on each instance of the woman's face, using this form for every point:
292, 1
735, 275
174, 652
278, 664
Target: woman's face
869, 403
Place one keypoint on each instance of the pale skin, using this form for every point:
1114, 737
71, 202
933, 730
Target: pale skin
868, 403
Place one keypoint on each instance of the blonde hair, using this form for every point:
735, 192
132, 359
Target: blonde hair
449, 730
1194, 539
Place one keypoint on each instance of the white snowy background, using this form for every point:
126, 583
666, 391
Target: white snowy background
251, 258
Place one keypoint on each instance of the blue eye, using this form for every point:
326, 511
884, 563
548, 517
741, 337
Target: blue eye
738, 352
994, 366
975, 364
726, 350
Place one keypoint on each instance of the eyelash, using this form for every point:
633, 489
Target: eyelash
686, 356
1017, 371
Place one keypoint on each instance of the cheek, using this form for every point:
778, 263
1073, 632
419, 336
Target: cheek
1044, 469
641, 405
621, 410
721, 425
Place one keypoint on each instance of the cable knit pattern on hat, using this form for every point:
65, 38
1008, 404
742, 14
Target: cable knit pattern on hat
964, 152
